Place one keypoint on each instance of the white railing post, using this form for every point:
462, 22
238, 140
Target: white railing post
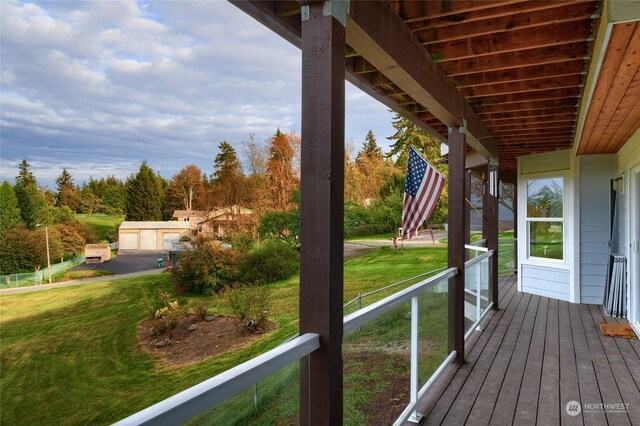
415, 417
478, 292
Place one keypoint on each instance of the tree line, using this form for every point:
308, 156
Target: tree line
264, 176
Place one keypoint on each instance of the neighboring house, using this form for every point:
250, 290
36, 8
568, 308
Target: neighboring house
151, 235
193, 217
220, 221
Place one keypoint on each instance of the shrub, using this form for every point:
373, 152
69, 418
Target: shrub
205, 269
274, 261
279, 224
201, 311
166, 316
250, 305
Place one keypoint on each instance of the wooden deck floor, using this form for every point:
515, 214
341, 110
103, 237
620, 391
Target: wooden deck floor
534, 356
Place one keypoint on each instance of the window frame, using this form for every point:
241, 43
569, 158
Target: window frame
528, 220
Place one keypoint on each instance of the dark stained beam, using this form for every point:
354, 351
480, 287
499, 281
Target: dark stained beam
321, 215
265, 12
456, 236
514, 41
380, 36
286, 8
511, 60
496, 26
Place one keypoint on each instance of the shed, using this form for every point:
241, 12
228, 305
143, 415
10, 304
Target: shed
97, 253
156, 236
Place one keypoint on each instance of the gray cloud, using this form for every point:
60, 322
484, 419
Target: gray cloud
99, 86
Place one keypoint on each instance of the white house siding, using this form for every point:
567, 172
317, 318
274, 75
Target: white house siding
596, 172
546, 281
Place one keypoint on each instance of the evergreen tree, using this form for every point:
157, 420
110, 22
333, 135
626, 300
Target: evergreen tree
228, 180
9, 211
25, 175
31, 201
370, 148
408, 134
144, 195
226, 163
67, 193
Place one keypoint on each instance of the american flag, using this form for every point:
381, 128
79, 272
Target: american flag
422, 189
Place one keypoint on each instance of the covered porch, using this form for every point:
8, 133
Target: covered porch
520, 92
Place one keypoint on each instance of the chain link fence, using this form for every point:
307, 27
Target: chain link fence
37, 277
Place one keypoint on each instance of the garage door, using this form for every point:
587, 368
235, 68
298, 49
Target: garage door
128, 242
170, 238
148, 239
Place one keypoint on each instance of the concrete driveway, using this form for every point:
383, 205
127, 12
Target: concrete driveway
127, 262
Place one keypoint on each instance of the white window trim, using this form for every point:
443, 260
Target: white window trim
571, 230
567, 209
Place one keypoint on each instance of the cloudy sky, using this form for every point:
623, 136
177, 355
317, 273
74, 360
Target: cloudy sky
99, 86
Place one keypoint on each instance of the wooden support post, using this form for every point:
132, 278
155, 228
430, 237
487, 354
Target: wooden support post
467, 207
456, 240
490, 227
321, 211
515, 227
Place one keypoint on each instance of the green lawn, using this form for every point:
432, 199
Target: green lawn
78, 275
69, 355
102, 223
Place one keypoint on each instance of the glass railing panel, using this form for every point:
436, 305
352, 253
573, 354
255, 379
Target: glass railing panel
483, 278
273, 400
506, 256
377, 368
472, 283
433, 330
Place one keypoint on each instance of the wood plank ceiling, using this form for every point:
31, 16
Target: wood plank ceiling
614, 110
520, 64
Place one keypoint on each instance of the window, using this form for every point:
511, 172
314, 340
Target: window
545, 218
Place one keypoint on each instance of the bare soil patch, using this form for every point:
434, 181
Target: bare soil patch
208, 339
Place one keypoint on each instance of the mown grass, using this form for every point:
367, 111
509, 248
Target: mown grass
69, 356
101, 223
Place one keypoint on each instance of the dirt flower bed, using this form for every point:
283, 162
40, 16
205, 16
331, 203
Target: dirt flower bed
194, 340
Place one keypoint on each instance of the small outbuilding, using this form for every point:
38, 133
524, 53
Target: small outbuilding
97, 253
157, 236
